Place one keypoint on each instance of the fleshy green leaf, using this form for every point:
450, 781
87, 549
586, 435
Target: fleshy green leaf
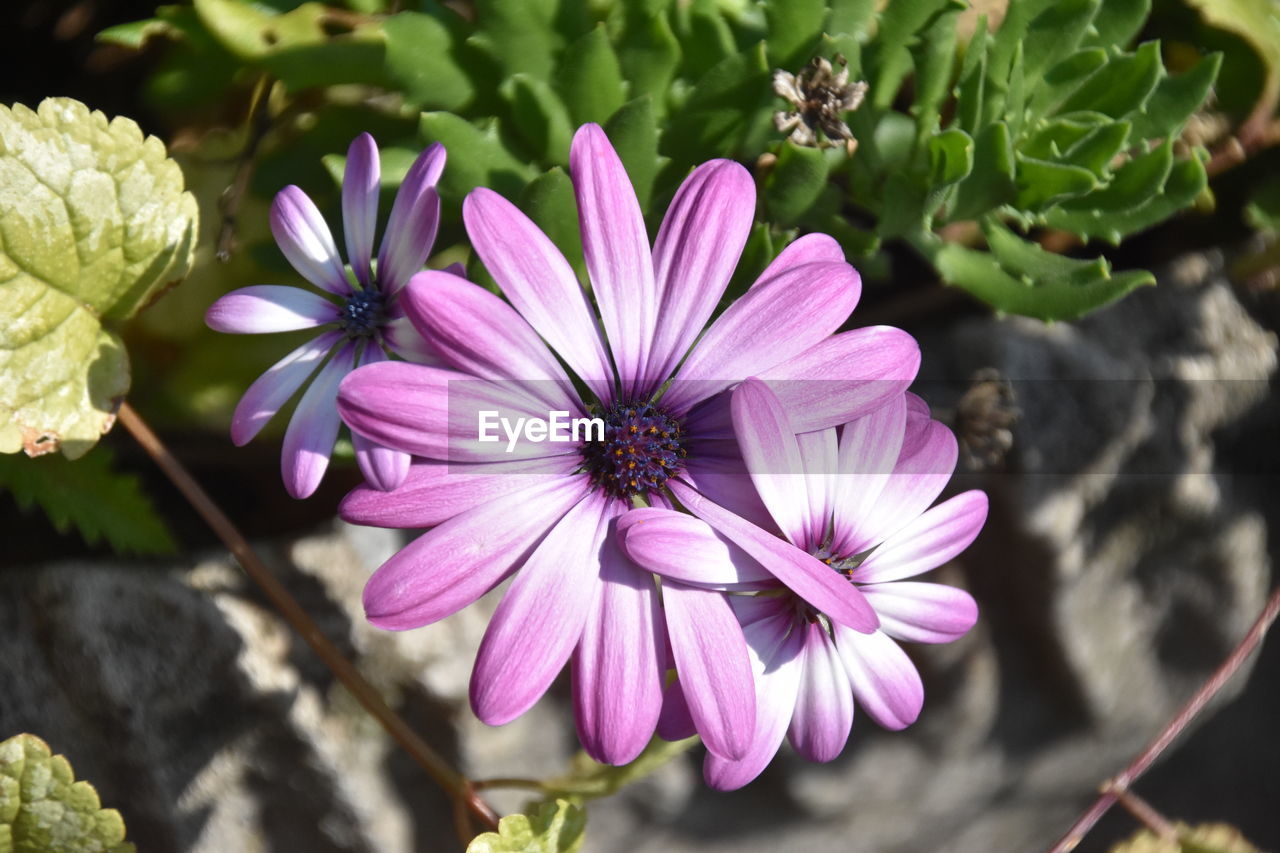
991, 182
934, 60
719, 110
590, 79
970, 84
950, 157
704, 35
89, 496
794, 29
94, 225
421, 62
1121, 86
588, 779
43, 808
557, 827
795, 182
1064, 78
477, 157
887, 59
1263, 210
1065, 288
549, 201
633, 131
518, 35
540, 117
1041, 183
1097, 149
1175, 99
1118, 21
850, 17
649, 53
1255, 21
1056, 32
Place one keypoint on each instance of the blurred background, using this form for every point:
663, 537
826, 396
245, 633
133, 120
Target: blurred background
1131, 456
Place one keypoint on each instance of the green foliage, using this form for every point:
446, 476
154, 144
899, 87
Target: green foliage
89, 496
1203, 838
1257, 22
588, 779
95, 225
44, 810
557, 827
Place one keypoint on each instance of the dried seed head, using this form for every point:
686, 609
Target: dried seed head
819, 96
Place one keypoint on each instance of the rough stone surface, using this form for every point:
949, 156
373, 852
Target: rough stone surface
1128, 549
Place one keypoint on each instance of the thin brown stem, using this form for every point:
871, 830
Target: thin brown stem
454, 783
259, 123
1120, 784
1147, 815
509, 782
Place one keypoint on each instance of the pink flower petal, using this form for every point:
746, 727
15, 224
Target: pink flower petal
845, 376
360, 183
764, 328
723, 480
678, 546
772, 455
922, 612
869, 450
270, 391
820, 454
383, 468
541, 617
308, 442
618, 667
884, 680
541, 285
824, 705
415, 216
928, 541
711, 660
434, 492
450, 566
675, 722
697, 249
808, 577
616, 249
266, 308
777, 661
809, 249
305, 241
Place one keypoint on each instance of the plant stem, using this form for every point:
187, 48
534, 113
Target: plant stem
1115, 788
459, 788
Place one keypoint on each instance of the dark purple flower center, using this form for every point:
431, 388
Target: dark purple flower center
642, 448
363, 313
843, 565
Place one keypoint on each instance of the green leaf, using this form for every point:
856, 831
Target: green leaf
557, 827
1175, 99
795, 182
633, 131
1133, 183
136, 34
887, 59
1027, 260
970, 84
1258, 23
1053, 136
851, 17
519, 35
794, 30
43, 808
422, 64
1055, 33
90, 497
1203, 838
1041, 183
1263, 210
1118, 22
1097, 149
934, 58
1187, 179
94, 224
905, 207
991, 182
950, 157
717, 114
1063, 294
590, 79
549, 201
588, 779
540, 117
649, 53
1121, 86
1064, 78
705, 38
477, 157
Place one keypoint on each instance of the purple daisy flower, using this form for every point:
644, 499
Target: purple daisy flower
363, 320
549, 511
855, 501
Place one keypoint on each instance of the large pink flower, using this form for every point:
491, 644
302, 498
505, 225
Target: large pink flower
548, 512
856, 503
361, 323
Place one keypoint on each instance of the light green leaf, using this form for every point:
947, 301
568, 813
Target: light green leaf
1041, 183
704, 36
1133, 183
1051, 137
850, 17
1175, 99
970, 84
991, 182
950, 157
794, 30
421, 62
1121, 86
1055, 33
557, 827
934, 58
1097, 149
649, 53
718, 113
1117, 22
1064, 78
94, 225
588, 779
1054, 298
887, 59
519, 35
1258, 23
633, 131
1203, 838
540, 117
795, 182
43, 808
136, 34
89, 496
590, 79
477, 157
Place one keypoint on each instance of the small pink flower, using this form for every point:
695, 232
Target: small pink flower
363, 321
855, 502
